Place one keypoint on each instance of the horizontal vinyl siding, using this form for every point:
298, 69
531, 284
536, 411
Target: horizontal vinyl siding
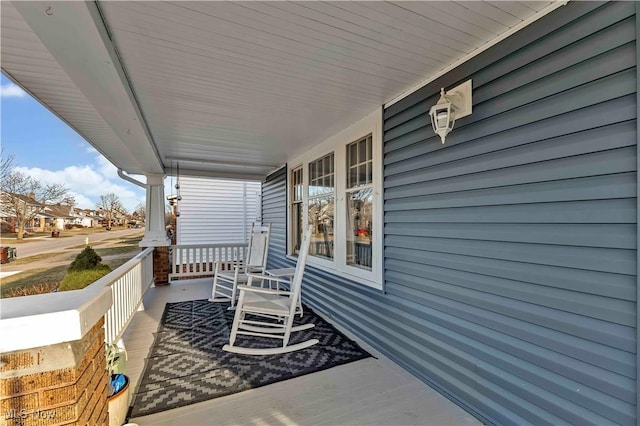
209, 210
510, 251
274, 211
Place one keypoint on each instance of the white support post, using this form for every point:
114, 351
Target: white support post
155, 234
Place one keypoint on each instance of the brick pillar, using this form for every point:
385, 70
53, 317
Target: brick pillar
161, 266
64, 383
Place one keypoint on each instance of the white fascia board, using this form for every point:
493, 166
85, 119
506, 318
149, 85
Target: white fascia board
75, 36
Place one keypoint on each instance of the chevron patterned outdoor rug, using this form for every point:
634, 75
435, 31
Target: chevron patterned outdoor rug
186, 363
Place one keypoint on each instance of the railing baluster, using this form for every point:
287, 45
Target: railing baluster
199, 260
127, 291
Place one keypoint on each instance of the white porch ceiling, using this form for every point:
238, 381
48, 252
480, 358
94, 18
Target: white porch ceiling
237, 88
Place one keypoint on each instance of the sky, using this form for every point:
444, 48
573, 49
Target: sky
46, 148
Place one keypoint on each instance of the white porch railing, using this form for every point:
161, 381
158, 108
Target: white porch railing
128, 285
199, 260
51, 318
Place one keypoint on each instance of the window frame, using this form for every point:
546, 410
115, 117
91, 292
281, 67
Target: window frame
291, 186
371, 124
333, 194
357, 187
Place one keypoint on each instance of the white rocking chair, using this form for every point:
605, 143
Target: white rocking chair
227, 275
272, 311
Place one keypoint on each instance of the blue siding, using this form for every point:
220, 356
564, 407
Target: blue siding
510, 252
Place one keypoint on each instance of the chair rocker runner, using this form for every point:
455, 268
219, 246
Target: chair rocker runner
227, 275
271, 311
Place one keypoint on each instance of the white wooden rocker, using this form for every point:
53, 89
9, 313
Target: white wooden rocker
228, 275
271, 311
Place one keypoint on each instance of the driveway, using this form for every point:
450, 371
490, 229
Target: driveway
50, 245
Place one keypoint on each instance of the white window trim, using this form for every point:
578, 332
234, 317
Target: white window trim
371, 124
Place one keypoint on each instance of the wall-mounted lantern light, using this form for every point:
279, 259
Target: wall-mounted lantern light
452, 105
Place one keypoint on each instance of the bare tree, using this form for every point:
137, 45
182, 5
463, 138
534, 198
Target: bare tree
141, 211
6, 164
111, 205
25, 197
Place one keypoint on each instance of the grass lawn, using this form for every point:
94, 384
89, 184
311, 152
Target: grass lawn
39, 257
46, 276
110, 251
43, 276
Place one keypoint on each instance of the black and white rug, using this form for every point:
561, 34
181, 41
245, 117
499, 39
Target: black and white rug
186, 363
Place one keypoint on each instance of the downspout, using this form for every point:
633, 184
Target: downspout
130, 179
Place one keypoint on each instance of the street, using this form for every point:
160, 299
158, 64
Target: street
50, 245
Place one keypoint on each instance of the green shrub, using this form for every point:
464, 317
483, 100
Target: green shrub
87, 259
76, 280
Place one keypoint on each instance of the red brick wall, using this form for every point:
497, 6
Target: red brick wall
161, 266
58, 384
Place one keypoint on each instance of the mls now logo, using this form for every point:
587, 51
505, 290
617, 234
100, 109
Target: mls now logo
23, 414
15, 414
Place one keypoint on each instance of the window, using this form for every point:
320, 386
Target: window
359, 203
321, 204
337, 188
296, 208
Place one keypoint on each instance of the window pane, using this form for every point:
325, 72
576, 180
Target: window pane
296, 183
352, 154
359, 228
297, 227
362, 151
321, 216
359, 163
353, 177
362, 174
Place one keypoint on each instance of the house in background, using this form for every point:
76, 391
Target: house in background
216, 210
61, 216
10, 221
500, 267
87, 218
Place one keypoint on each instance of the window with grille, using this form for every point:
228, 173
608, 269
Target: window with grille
359, 203
321, 206
297, 188
337, 188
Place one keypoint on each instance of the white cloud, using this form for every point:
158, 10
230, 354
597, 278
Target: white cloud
87, 183
106, 168
82, 201
11, 90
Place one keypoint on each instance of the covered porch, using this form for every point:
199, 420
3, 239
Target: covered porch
500, 267
373, 391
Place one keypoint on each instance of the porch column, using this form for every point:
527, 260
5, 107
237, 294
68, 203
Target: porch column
155, 234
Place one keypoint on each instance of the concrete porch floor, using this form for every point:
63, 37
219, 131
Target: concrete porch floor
367, 392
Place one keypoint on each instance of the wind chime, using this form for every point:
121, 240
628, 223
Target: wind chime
173, 200
178, 197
